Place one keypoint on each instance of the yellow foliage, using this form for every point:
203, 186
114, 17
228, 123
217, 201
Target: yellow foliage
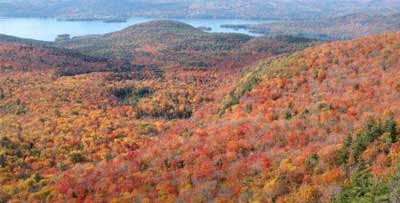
274, 188
305, 194
42, 194
287, 165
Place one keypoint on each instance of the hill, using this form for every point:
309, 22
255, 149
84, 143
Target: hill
155, 36
21, 55
260, 9
319, 125
11, 39
169, 43
60, 109
337, 28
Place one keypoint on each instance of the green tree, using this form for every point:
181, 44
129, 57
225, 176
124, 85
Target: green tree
363, 189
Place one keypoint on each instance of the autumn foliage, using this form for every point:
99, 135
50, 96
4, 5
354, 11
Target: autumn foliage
307, 125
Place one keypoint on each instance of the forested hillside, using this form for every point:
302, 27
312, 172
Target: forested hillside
169, 43
162, 112
319, 125
155, 36
60, 108
16, 57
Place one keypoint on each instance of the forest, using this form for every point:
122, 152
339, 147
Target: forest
163, 112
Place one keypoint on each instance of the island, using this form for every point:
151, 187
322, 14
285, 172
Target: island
103, 19
63, 38
205, 28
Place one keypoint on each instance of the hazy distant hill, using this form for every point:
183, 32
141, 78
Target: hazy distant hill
155, 36
337, 28
17, 54
174, 43
267, 9
12, 39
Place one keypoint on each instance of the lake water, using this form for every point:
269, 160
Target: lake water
47, 29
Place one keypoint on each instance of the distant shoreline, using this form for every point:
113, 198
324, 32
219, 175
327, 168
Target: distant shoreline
106, 20
47, 28
125, 19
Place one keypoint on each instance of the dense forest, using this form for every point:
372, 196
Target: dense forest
163, 112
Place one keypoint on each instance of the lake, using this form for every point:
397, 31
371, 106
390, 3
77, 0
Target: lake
47, 29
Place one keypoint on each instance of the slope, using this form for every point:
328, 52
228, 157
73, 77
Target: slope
278, 138
26, 55
97, 111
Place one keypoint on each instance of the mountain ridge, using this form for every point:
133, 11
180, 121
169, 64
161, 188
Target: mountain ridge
345, 27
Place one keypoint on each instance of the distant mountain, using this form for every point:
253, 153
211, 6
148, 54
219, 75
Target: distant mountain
170, 43
337, 28
263, 9
159, 43
154, 36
